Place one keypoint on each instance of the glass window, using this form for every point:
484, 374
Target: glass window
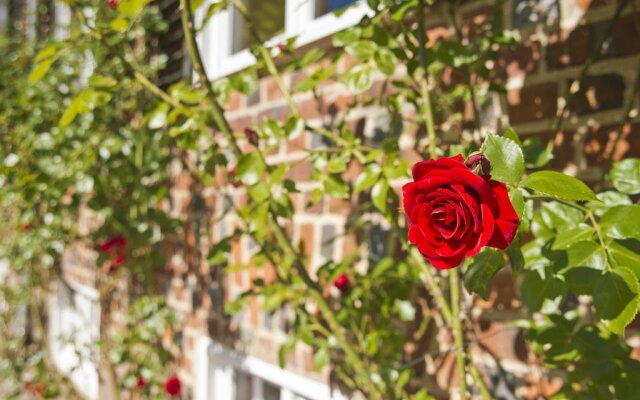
326, 6
242, 385
271, 392
268, 19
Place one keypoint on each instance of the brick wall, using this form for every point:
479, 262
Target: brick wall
540, 75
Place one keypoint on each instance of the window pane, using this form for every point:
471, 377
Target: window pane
271, 392
242, 383
326, 6
267, 17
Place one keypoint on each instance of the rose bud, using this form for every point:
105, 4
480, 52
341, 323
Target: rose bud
172, 386
252, 136
231, 177
343, 283
140, 383
453, 213
479, 164
112, 4
26, 227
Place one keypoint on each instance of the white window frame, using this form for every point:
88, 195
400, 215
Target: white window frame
300, 22
214, 366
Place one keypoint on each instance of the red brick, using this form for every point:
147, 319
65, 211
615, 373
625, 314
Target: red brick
240, 123
474, 22
519, 61
573, 50
437, 34
598, 93
339, 206
310, 109
315, 208
279, 113
626, 36
271, 88
235, 101
600, 142
300, 171
533, 103
306, 239
298, 143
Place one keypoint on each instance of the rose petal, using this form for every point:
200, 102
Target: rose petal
506, 218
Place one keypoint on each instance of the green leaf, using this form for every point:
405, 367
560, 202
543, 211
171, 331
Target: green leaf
608, 199
362, 49
582, 279
360, 78
346, 37
536, 154
558, 185
625, 253
505, 156
294, 127
510, 133
386, 61
481, 270
618, 324
379, 195
613, 292
622, 222
517, 200
625, 175
131, 8
586, 254
41, 69
119, 25
367, 177
567, 237
320, 358
338, 163
516, 258
250, 168
335, 186
535, 290
260, 192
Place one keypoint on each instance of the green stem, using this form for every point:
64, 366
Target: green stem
427, 109
196, 59
454, 282
434, 288
484, 391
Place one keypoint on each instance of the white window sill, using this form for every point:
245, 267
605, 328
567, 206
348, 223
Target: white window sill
215, 39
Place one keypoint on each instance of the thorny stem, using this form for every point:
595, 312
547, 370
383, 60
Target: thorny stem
427, 109
454, 283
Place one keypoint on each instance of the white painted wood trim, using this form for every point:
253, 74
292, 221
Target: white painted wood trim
222, 360
215, 39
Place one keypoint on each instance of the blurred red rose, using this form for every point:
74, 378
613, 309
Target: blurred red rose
140, 383
173, 386
112, 4
343, 283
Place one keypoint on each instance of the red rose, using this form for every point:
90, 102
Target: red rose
115, 241
119, 259
342, 283
172, 386
140, 382
112, 4
453, 213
